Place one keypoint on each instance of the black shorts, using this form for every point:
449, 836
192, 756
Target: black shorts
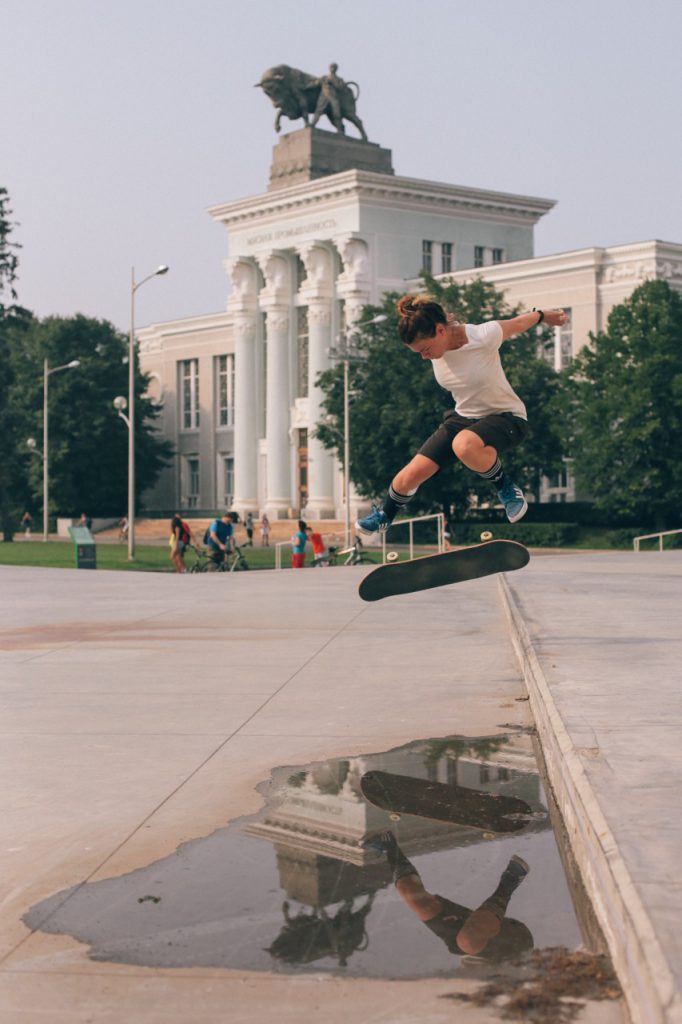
502, 430
448, 923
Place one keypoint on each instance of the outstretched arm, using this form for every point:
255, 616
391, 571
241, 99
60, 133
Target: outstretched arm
519, 324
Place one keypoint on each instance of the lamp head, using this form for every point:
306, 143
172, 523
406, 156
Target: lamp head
163, 269
31, 443
120, 403
73, 363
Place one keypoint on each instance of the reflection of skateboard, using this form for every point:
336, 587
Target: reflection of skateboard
458, 805
439, 570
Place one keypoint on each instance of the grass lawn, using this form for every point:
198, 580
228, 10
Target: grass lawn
148, 557
155, 558
61, 555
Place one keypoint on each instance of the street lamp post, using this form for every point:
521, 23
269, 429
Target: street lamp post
31, 443
346, 351
163, 269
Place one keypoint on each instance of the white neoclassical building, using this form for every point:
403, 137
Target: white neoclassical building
237, 389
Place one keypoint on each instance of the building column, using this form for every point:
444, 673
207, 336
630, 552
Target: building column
353, 286
275, 299
243, 304
316, 293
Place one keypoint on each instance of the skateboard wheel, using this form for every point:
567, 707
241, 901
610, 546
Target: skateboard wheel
486, 535
488, 835
394, 817
392, 556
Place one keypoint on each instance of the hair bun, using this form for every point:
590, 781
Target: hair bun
407, 305
418, 315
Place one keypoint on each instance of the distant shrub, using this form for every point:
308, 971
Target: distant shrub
540, 535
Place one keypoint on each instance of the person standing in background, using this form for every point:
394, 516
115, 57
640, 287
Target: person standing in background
317, 541
298, 543
180, 537
248, 523
265, 531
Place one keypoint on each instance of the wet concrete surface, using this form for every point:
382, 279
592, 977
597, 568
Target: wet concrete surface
140, 713
293, 888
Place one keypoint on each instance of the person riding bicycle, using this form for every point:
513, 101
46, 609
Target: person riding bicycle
220, 538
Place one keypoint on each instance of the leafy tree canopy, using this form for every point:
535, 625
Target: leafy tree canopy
14, 488
397, 403
624, 408
88, 442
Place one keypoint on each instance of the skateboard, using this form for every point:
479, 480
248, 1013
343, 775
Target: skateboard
457, 805
439, 570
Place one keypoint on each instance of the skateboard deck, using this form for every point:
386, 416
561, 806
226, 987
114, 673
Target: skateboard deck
439, 570
457, 805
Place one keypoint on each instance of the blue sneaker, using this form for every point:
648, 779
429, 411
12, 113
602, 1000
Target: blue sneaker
380, 843
517, 867
377, 520
515, 505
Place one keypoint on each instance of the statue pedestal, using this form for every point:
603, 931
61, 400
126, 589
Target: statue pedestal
313, 153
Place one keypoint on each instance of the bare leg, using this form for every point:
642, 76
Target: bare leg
486, 921
478, 929
422, 903
474, 452
411, 476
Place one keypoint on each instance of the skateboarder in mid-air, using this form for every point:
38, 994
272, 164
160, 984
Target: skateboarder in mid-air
488, 419
484, 932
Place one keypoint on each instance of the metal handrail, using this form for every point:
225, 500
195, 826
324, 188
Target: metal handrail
647, 536
278, 552
440, 516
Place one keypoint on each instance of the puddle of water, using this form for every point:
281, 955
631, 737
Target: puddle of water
294, 888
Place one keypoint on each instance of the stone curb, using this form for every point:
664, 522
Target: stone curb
648, 984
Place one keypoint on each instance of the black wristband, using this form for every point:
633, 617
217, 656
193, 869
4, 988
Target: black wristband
542, 315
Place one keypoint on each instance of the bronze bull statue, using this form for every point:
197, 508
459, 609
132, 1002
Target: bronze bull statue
295, 94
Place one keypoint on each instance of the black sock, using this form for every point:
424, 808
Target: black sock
495, 474
395, 501
398, 862
499, 900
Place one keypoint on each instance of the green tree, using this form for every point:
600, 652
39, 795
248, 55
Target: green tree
397, 403
15, 495
88, 441
623, 409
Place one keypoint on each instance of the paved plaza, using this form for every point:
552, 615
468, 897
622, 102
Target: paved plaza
142, 711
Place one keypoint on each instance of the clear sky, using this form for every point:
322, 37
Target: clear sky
123, 121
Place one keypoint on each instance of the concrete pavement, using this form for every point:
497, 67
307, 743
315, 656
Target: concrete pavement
142, 711
600, 644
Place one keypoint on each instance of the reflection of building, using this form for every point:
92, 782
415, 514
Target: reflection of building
317, 818
238, 390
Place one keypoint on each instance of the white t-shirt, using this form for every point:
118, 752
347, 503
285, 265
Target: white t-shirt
474, 376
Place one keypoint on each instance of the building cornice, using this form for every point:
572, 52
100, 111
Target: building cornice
517, 270
204, 322
596, 258
384, 189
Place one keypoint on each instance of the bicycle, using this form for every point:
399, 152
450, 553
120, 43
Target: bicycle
356, 554
239, 563
205, 562
202, 559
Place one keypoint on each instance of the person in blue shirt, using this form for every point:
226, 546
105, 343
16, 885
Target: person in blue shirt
298, 543
220, 538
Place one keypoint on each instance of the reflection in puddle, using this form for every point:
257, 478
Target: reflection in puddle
324, 879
